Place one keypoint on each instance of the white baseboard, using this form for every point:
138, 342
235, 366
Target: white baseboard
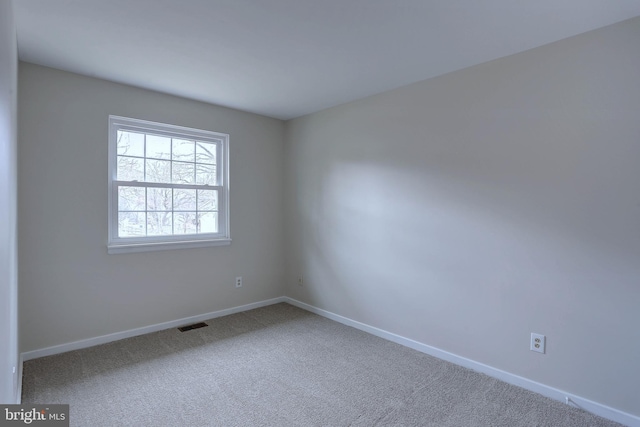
90, 342
19, 390
553, 393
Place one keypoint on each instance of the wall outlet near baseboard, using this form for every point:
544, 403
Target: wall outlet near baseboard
239, 282
538, 343
300, 280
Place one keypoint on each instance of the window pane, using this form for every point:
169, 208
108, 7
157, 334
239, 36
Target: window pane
185, 223
183, 173
130, 169
131, 224
206, 174
208, 222
183, 150
205, 152
207, 200
158, 147
184, 200
159, 199
158, 171
169, 186
131, 199
130, 143
159, 223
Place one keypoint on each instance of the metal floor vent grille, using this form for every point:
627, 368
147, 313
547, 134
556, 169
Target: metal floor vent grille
194, 326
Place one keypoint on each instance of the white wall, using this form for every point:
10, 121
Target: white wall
469, 210
70, 288
8, 206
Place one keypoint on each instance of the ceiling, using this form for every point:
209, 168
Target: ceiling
287, 58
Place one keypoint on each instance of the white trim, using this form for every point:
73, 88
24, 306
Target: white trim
19, 391
116, 244
163, 246
536, 387
551, 392
90, 342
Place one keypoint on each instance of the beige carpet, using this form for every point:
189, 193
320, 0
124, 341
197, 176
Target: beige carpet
279, 366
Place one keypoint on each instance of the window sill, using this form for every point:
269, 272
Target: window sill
164, 246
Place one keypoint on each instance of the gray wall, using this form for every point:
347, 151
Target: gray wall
70, 288
469, 210
8, 206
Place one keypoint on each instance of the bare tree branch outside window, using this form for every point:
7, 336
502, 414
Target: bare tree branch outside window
155, 211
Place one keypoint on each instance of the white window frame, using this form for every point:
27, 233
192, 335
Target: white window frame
118, 244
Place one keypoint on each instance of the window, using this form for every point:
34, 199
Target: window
168, 186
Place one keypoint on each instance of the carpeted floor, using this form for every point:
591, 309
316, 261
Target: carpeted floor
279, 366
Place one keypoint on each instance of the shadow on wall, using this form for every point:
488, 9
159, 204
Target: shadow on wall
473, 222
566, 188
499, 198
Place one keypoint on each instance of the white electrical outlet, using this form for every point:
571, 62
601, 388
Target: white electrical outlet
238, 282
538, 342
300, 281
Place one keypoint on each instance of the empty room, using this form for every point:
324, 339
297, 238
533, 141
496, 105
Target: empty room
320, 213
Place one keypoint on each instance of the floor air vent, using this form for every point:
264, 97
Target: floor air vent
194, 326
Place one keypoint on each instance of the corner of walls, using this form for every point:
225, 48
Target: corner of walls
501, 198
